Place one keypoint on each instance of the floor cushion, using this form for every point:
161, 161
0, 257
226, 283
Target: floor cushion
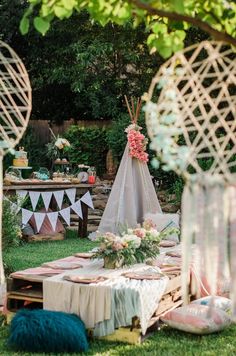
222, 303
47, 331
197, 319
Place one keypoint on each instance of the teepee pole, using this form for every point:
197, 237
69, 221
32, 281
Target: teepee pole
128, 107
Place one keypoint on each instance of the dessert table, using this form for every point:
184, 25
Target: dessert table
81, 189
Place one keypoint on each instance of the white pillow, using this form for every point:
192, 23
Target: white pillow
163, 221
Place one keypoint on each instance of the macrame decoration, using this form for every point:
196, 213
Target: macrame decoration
15, 108
193, 131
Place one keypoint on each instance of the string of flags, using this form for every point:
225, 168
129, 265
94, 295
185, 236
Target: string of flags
46, 197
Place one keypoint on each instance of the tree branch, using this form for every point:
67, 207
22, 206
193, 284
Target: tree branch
217, 35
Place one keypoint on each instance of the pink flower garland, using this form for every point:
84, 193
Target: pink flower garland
137, 145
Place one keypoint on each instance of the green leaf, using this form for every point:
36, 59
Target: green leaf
69, 4
159, 28
165, 52
178, 6
61, 12
41, 25
24, 25
152, 37
180, 34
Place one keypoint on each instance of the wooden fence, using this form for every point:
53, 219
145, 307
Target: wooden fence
41, 127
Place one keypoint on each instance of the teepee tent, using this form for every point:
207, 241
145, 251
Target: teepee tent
133, 194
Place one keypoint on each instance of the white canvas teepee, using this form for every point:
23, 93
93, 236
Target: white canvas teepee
133, 194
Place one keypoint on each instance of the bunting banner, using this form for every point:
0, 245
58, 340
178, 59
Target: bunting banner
71, 193
34, 197
52, 216
76, 207
39, 218
53, 219
26, 215
59, 195
65, 213
47, 196
86, 199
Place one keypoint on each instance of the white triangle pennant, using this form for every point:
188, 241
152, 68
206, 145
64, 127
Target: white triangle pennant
39, 218
77, 208
59, 195
86, 199
71, 193
65, 213
21, 194
26, 215
53, 219
34, 197
46, 198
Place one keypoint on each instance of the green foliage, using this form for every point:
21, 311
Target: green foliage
11, 231
83, 69
116, 136
166, 27
88, 146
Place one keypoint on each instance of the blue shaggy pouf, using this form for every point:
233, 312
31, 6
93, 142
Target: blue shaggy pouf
47, 331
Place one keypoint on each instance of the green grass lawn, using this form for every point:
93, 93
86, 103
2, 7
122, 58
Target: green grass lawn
166, 342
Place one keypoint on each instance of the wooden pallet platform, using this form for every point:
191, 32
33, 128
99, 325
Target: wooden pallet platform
27, 291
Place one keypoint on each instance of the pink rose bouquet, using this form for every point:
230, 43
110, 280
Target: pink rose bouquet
137, 143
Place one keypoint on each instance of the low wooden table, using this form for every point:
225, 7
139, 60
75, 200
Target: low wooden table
81, 189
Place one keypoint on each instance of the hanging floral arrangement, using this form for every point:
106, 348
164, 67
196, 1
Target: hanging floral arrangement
137, 143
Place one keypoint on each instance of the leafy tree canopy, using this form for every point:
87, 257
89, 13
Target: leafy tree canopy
166, 20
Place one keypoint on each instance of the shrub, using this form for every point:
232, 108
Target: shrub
88, 146
11, 231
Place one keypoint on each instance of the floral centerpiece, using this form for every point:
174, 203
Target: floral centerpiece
133, 246
57, 147
137, 142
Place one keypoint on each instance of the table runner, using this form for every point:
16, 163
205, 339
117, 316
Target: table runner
106, 305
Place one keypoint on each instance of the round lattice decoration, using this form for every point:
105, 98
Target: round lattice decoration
193, 125
15, 98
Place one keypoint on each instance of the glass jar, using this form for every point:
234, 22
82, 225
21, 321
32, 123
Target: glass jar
91, 175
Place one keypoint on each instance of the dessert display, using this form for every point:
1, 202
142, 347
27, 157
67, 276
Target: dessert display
20, 159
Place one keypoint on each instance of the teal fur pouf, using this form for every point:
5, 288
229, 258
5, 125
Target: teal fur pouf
47, 331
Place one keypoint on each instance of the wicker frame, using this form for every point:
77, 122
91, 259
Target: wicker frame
15, 108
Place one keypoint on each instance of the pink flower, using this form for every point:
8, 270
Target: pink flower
140, 232
148, 224
117, 246
137, 145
